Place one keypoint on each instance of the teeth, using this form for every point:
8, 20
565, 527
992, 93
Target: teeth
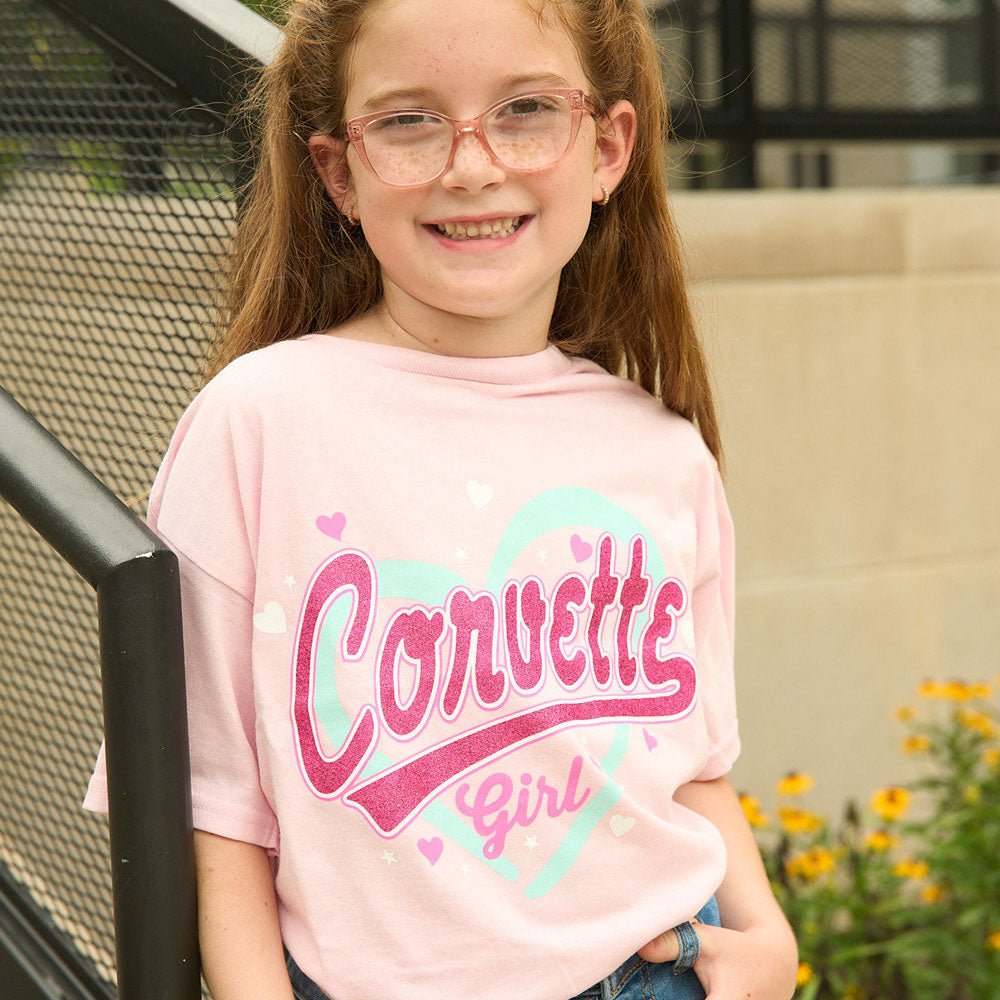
491, 229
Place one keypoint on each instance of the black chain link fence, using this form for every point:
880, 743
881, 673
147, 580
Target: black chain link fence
115, 204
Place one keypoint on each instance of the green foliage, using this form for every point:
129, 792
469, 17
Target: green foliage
273, 10
885, 905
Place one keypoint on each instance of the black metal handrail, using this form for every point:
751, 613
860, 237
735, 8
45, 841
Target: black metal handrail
136, 579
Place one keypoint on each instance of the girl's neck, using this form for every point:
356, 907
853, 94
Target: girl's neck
392, 323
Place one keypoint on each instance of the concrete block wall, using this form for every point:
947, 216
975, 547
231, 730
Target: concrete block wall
855, 343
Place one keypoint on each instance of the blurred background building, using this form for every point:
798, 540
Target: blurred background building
819, 93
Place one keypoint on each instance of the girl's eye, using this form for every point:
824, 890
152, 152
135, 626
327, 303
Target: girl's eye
409, 119
525, 106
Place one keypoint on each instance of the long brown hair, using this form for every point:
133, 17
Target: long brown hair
297, 267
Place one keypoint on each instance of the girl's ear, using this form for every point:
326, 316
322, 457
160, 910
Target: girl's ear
615, 139
329, 157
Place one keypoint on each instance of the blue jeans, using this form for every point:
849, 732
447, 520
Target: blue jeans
634, 979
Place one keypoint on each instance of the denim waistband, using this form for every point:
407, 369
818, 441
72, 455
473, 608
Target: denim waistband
634, 979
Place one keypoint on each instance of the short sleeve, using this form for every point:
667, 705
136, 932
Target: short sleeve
713, 611
205, 505
226, 795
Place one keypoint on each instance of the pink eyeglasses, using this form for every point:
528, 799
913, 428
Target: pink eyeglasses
413, 146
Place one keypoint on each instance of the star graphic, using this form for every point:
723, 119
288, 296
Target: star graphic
289, 580
389, 857
530, 842
461, 555
463, 868
543, 554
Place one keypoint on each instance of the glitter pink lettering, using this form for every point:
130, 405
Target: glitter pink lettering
490, 812
348, 572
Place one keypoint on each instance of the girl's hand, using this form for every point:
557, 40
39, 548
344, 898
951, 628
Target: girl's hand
759, 963
664, 947
756, 964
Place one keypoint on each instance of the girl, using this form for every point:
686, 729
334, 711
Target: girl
457, 597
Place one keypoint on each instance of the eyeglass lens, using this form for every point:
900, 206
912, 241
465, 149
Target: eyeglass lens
525, 133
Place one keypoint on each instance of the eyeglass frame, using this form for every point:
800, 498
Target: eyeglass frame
580, 105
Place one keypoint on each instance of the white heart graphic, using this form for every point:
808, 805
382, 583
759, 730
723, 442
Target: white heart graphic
620, 825
271, 619
479, 493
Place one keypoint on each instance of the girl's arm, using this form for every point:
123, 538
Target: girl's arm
241, 950
754, 953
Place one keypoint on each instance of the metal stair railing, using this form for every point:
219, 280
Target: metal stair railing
136, 579
193, 53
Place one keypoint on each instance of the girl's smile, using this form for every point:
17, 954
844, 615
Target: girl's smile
484, 235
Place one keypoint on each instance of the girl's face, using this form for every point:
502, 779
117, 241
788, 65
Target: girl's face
459, 57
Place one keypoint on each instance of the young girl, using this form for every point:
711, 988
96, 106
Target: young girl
457, 597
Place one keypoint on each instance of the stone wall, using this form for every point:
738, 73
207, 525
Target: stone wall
855, 340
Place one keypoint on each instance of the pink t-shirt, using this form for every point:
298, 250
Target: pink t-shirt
456, 630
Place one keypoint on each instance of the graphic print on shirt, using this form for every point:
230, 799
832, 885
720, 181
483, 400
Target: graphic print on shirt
597, 640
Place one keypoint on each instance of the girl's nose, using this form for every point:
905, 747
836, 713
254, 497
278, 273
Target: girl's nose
472, 166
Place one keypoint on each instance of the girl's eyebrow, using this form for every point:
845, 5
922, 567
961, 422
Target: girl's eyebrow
421, 96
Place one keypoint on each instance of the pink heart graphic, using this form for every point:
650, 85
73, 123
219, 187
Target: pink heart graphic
332, 526
651, 740
581, 549
430, 849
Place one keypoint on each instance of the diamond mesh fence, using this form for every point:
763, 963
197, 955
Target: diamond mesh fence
115, 206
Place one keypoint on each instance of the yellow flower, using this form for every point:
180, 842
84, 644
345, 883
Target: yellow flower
916, 744
809, 865
795, 783
751, 809
910, 869
992, 757
932, 689
905, 714
890, 803
957, 691
993, 941
799, 820
804, 975
881, 841
982, 689
977, 722
972, 794
931, 893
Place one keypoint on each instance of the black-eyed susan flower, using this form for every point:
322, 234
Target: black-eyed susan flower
799, 820
931, 893
804, 975
890, 803
958, 691
993, 941
795, 783
972, 794
754, 814
916, 744
809, 865
932, 689
881, 841
911, 869
978, 722
991, 757
905, 714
